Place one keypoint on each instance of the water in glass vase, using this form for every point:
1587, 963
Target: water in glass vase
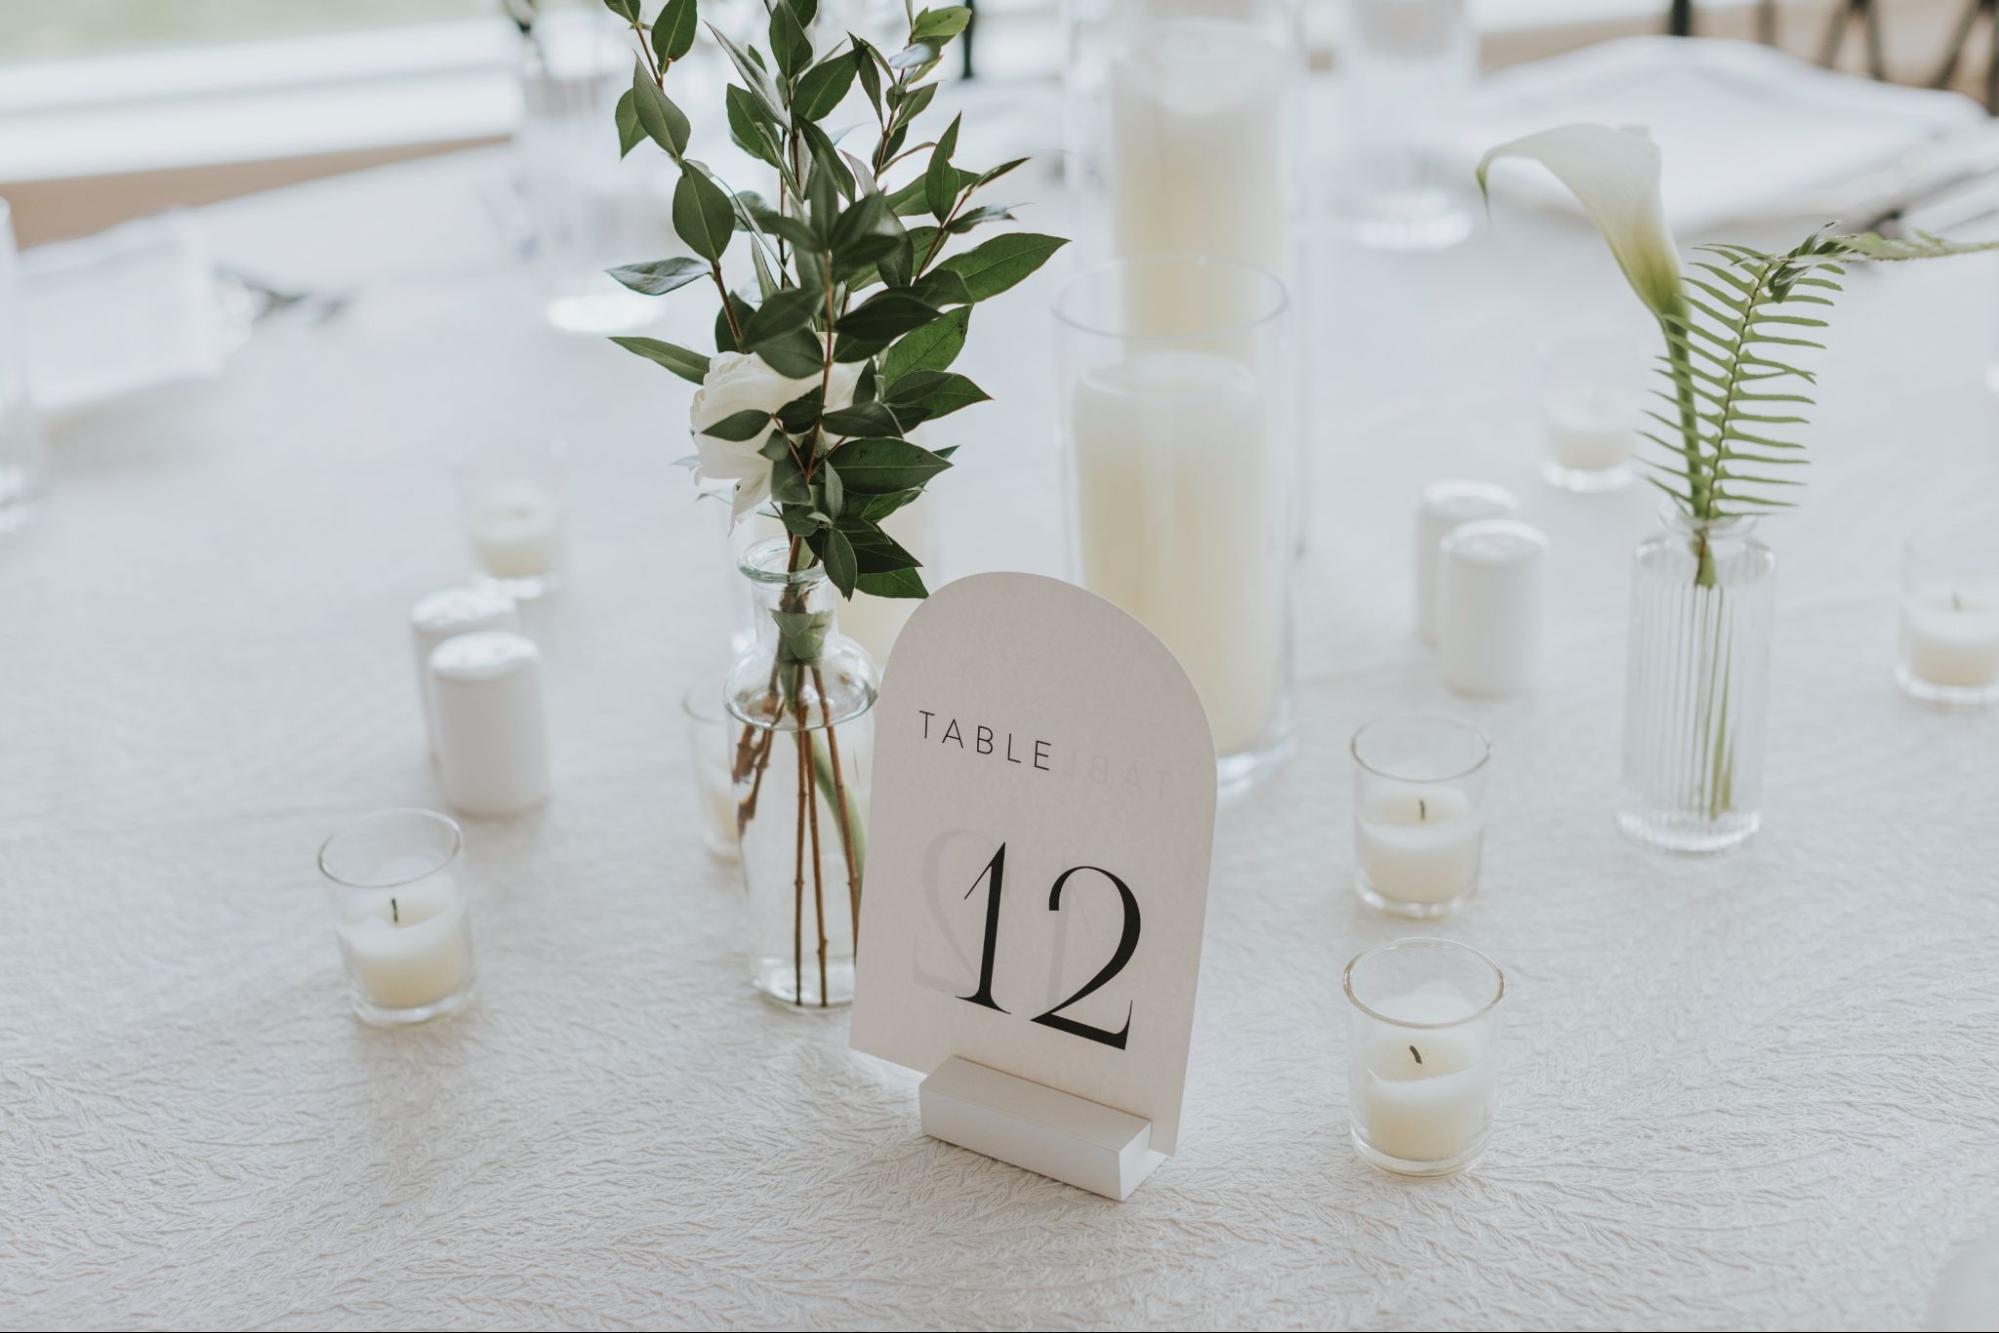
1703, 597
800, 698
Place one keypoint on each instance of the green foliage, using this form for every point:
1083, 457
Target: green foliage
842, 280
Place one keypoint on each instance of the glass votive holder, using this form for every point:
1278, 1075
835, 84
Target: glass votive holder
1419, 813
402, 918
711, 754
1950, 619
1422, 1054
1592, 406
514, 501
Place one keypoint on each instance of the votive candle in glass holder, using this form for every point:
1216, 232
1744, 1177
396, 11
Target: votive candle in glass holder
1419, 813
402, 918
1422, 1054
1950, 619
711, 752
514, 502
1592, 406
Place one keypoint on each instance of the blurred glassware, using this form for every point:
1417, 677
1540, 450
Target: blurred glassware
23, 455
131, 308
582, 214
711, 754
1405, 74
514, 501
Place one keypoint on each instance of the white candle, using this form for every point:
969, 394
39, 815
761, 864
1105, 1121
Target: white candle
1419, 844
446, 615
410, 947
1198, 125
1591, 428
1179, 518
1446, 505
1492, 595
1424, 1095
492, 735
1950, 638
516, 529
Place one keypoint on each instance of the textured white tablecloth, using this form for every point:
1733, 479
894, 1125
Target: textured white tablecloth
1755, 1091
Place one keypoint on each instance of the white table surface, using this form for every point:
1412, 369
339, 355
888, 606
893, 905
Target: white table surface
1761, 1090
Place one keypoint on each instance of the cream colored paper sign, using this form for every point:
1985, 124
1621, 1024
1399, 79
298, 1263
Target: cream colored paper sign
1037, 874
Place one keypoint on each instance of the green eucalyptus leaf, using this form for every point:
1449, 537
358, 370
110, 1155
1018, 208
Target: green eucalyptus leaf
976, 217
628, 10
801, 635
830, 487
838, 554
795, 355
673, 31
800, 521
630, 132
739, 426
940, 178
875, 508
749, 128
801, 414
893, 583
886, 315
941, 287
783, 312
997, 264
940, 25
657, 115
868, 69
789, 46
703, 214
689, 365
825, 86
753, 73
725, 338
914, 198
932, 346
923, 395
875, 551
787, 483
875, 418
878, 466
661, 275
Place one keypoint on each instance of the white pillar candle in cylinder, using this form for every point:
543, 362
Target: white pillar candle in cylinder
1492, 594
445, 615
1177, 503
516, 530
1444, 506
1950, 638
410, 946
1197, 161
1419, 1094
1591, 428
492, 734
1419, 843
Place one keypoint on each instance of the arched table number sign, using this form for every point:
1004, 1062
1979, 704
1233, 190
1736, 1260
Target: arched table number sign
1037, 878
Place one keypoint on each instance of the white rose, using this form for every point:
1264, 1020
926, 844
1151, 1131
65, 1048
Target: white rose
742, 382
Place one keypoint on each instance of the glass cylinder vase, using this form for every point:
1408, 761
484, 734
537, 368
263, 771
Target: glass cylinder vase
1703, 597
1179, 419
800, 698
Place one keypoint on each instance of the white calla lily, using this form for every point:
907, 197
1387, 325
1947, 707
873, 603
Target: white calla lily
1614, 174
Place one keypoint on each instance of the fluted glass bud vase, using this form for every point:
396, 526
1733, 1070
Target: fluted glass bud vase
800, 697
1703, 596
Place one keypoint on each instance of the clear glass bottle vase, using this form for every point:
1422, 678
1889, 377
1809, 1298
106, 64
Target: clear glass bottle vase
800, 697
1703, 597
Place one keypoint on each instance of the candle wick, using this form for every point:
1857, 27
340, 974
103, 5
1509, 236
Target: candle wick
1422, 812
395, 913
1956, 602
1418, 1054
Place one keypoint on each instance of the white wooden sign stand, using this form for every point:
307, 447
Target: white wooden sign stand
1037, 879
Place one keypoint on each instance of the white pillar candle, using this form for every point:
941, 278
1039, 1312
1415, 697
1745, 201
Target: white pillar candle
492, 734
1424, 1095
1198, 126
1419, 843
410, 947
1179, 516
1492, 594
1445, 505
445, 615
516, 529
1950, 638
1591, 428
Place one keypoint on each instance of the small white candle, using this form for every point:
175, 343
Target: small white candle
516, 529
1950, 638
1180, 521
410, 947
1446, 505
1492, 595
1424, 1095
1591, 428
492, 734
1419, 844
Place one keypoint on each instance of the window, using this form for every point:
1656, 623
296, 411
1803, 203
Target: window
38, 29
